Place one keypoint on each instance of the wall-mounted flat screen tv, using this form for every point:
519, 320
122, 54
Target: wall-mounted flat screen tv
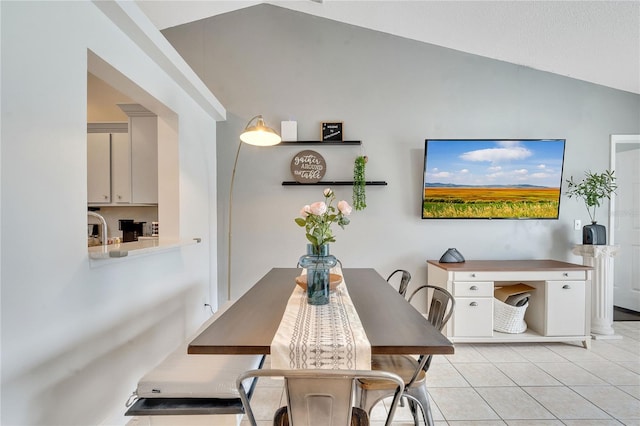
492, 178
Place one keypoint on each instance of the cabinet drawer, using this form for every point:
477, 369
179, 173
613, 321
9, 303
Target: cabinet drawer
473, 276
473, 317
522, 276
566, 275
565, 308
473, 288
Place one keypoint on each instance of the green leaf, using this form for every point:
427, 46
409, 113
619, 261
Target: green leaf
592, 189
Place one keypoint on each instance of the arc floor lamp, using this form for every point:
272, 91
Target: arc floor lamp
258, 134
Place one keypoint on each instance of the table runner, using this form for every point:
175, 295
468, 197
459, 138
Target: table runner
327, 336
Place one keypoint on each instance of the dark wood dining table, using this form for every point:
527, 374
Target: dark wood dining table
392, 325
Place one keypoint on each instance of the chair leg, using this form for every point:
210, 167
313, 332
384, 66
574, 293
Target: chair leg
421, 397
417, 397
414, 411
367, 399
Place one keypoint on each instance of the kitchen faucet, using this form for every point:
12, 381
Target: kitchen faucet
104, 226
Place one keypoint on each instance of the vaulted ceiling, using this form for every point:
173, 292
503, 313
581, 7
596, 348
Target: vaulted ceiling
594, 41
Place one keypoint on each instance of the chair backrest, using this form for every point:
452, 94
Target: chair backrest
440, 311
404, 280
441, 306
319, 397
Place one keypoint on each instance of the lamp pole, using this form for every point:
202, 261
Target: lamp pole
233, 176
260, 135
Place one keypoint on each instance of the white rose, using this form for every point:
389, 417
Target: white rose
304, 212
344, 208
327, 192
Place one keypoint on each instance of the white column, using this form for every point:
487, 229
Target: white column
600, 257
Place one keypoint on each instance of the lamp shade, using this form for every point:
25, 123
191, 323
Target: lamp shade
259, 134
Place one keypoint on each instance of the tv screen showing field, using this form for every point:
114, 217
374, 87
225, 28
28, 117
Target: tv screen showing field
492, 179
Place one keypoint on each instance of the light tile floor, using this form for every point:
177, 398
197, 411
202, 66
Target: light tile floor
520, 384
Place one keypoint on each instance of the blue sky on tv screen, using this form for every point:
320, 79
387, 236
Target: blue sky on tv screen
494, 162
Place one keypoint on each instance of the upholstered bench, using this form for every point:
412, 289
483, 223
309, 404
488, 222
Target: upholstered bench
189, 385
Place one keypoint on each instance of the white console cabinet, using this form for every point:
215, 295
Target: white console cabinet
559, 308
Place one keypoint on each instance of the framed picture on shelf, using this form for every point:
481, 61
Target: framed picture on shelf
331, 131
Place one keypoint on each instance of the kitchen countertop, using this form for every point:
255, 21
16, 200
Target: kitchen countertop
135, 248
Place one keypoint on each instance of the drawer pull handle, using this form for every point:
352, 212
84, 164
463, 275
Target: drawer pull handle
566, 286
565, 274
473, 287
473, 304
473, 275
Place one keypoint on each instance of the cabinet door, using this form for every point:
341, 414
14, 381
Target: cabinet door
98, 168
144, 160
565, 308
473, 317
120, 168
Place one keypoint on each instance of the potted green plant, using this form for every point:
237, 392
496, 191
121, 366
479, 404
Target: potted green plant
594, 188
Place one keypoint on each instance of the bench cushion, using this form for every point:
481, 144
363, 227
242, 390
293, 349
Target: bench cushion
184, 384
181, 375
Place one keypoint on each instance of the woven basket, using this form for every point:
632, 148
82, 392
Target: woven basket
508, 318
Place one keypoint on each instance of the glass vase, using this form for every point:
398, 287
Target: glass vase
318, 263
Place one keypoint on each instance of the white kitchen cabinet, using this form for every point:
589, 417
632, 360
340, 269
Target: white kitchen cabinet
559, 308
143, 132
122, 160
99, 168
108, 164
144, 159
120, 168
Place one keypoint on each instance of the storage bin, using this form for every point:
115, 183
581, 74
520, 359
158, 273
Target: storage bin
508, 318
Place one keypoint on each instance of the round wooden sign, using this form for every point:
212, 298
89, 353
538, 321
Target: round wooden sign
308, 167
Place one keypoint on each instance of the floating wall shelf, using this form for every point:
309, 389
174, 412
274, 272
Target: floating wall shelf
327, 182
334, 183
317, 143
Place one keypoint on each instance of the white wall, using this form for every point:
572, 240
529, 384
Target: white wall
75, 336
391, 93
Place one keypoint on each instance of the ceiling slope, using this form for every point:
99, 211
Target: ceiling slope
594, 41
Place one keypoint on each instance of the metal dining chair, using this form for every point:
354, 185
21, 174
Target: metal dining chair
413, 371
404, 281
321, 397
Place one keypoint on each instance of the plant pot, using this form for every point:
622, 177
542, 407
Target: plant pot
594, 234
